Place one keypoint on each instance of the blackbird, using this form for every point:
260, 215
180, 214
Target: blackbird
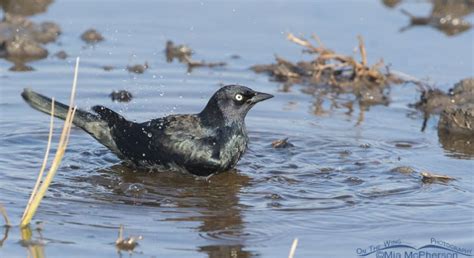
202, 144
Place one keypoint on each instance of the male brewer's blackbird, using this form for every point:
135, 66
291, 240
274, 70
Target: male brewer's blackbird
204, 143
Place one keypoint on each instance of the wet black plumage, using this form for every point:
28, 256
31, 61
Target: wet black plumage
202, 144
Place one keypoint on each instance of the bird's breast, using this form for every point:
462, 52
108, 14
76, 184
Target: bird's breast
233, 150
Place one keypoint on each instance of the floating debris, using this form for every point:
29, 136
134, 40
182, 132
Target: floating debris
183, 54
330, 74
126, 244
403, 170
121, 96
192, 63
328, 67
61, 55
138, 68
431, 178
108, 68
178, 52
3, 211
283, 143
403, 145
92, 36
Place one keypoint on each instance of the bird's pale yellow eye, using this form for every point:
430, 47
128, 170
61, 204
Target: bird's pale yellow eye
239, 97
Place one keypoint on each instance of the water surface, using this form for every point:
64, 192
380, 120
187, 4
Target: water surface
334, 190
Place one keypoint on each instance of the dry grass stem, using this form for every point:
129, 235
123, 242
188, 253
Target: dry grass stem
42, 187
293, 248
45, 161
3, 211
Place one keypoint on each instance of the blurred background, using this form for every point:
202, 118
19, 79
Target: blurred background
348, 177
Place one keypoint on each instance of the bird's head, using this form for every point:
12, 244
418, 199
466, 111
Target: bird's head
231, 104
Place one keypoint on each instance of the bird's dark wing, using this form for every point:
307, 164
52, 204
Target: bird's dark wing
182, 139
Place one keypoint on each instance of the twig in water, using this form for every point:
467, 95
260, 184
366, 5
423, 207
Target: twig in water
5, 216
126, 244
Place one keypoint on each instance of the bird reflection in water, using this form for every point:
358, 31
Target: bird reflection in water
214, 202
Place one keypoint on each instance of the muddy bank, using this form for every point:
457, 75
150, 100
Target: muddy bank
446, 16
456, 110
22, 40
24, 7
92, 36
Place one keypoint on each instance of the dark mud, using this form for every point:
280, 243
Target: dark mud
22, 40
183, 54
61, 55
447, 16
456, 121
92, 36
121, 96
283, 143
138, 68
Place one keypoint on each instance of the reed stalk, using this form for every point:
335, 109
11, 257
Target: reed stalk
42, 185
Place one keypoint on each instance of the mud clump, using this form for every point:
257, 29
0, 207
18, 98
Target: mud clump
283, 143
177, 51
434, 101
456, 129
446, 16
138, 68
22, 40
61, 55
121, 96
183, 53
456, 109
107, 68
91, 36
403, 170
453, 105
458, 120
25, 7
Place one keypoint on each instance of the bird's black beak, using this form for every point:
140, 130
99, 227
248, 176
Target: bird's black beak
260, 96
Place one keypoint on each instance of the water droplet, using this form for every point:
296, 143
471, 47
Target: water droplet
150, 135
143, 154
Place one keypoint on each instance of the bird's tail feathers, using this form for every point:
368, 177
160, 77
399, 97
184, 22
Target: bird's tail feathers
91, 123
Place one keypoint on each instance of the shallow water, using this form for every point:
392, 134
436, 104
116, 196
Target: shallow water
334, 190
